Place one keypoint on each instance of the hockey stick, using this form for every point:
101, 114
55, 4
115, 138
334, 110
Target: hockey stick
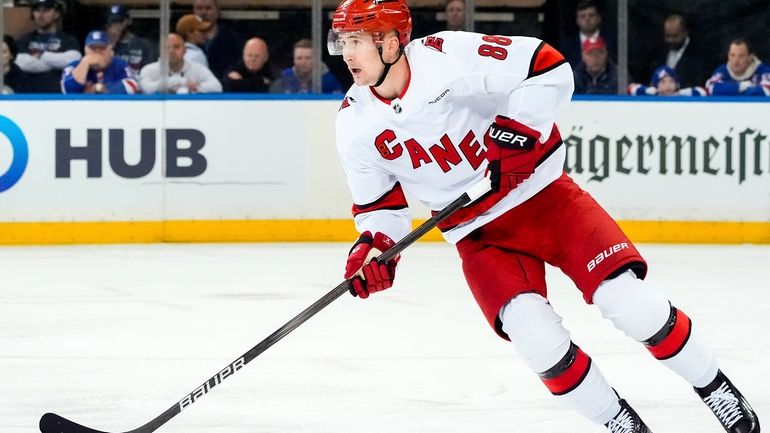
52, 423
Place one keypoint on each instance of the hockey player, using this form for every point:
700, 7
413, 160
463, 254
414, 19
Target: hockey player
418, 119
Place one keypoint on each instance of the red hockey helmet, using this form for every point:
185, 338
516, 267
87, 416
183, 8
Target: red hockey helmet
372, 16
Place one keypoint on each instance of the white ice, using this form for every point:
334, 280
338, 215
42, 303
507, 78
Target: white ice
111, 336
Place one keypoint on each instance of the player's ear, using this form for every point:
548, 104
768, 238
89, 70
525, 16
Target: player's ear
392, 42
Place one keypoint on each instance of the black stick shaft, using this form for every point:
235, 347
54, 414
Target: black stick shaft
52, 423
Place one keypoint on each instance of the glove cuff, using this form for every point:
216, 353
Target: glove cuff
365, 238
382, 242
509, 134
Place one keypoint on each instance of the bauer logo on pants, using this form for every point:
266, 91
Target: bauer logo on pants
19, 153
605, 254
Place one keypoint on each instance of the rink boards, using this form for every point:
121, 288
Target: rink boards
215, 169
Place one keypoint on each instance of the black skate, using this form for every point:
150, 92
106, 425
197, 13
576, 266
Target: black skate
729, 406
626, 421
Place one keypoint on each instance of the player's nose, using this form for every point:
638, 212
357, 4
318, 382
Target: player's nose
347, 55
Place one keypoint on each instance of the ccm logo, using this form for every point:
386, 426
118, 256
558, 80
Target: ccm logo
508, 138
605, 254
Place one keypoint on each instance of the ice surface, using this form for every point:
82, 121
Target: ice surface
111, 336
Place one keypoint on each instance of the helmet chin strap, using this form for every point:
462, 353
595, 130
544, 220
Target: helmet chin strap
387, 65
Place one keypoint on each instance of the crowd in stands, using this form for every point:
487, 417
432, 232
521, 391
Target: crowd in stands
205, 55
681, 66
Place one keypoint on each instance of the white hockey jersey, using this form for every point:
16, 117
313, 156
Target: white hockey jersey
429, 141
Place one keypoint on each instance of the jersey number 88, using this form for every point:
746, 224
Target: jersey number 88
496, 52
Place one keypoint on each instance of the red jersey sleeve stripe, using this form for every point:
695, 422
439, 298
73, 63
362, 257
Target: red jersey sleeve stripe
393, 199
545, 59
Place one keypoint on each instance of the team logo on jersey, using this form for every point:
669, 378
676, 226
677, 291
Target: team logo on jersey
345, 103
446, 153
434, 43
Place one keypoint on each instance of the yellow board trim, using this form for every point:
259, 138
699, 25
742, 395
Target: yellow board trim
48, 233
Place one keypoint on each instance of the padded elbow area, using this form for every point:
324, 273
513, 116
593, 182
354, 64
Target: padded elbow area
634, 307
535, 330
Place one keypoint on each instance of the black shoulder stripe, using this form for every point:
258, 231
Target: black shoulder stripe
550, 68
534, 58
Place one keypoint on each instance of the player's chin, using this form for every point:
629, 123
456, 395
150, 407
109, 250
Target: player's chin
360, 80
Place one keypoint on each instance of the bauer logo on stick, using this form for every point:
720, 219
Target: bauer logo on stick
214, 381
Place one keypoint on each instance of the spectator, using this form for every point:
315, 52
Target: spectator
665, 82
743, 74
455, 14
7, 54
194, 31
298, 78
251, 74
184, 76
44, 52
596, 74
223, 48
681, 53
134, 50
98, 71
14, 79
588, 17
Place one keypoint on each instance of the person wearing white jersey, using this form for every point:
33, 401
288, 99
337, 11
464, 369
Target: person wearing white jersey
184, 76
417, 120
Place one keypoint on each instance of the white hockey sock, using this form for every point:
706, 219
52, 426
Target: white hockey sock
644, 314
545, 346
695, 362
593, 398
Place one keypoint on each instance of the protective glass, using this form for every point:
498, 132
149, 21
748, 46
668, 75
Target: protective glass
351, 41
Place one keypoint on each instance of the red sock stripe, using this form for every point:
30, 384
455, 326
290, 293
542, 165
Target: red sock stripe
571, 377
675, 341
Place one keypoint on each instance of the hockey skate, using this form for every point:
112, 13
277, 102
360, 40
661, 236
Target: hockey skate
729, 406
626, 421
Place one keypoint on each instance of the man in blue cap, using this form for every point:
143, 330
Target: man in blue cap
45, 51
136, 51
98, 71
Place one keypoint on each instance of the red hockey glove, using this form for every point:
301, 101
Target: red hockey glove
369, 275
509, 152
